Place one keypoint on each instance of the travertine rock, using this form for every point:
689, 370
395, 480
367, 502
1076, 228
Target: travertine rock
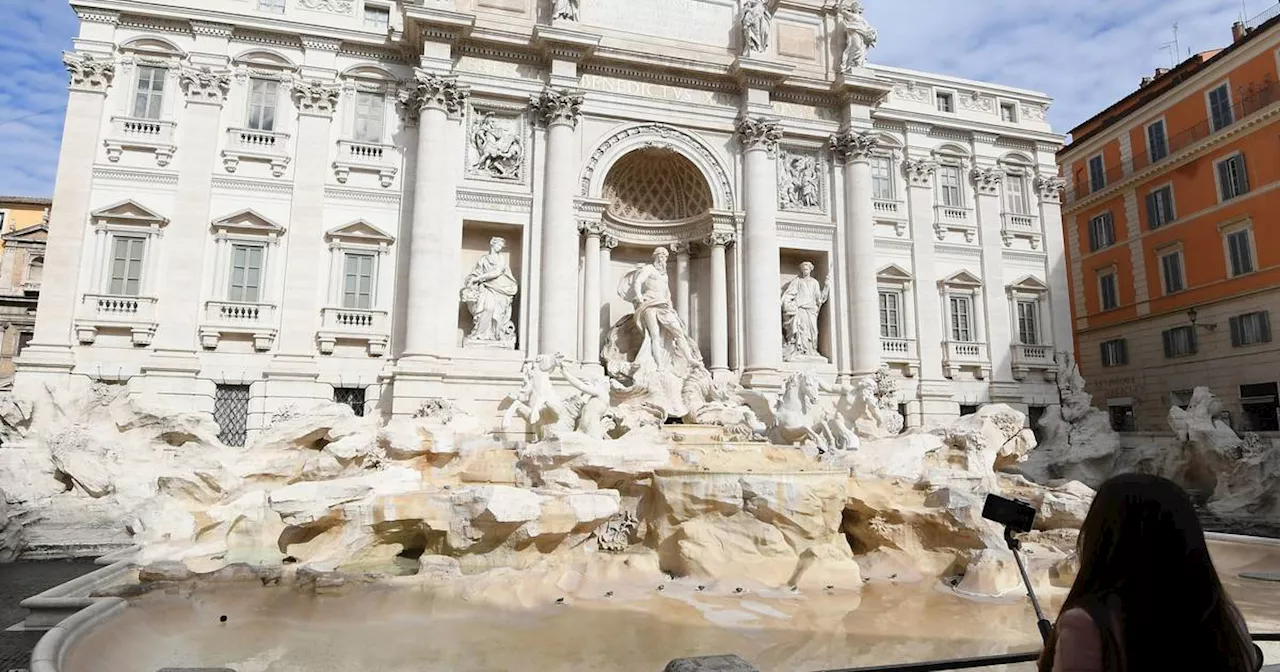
11, 539
308, 428
1079, 443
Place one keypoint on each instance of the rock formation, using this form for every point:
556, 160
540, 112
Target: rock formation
1079, 443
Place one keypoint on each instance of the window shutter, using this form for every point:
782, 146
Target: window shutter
1224, 179
1093, 234
1191, 340
1152, 210
1241, 174
1168, 343
1236, 336
1265, 319
1104, 349
1124, 351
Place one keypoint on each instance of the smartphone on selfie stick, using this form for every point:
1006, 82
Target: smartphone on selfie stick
1017, 517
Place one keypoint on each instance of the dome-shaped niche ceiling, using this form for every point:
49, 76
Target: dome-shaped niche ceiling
656, 185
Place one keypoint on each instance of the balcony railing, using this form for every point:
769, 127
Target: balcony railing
151, 135
1021, 226
249, 144
1249, 100
229, 317
891, 208
371, 326
1032, 357
897, 349
952, 218
136, 313
962, 354
366, 156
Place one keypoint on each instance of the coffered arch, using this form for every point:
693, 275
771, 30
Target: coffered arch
653, 135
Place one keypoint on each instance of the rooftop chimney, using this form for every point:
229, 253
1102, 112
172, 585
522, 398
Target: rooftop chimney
1238, 31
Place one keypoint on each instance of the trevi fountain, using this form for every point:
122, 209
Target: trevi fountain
571, 455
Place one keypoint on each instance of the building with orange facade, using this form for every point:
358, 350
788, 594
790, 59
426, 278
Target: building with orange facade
1172, 217
24, 226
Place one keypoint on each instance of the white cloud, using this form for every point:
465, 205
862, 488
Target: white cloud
1085, 53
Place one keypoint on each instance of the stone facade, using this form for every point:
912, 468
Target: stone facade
24, 225
293, 202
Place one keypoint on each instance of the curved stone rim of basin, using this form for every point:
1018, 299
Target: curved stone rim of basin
759, 472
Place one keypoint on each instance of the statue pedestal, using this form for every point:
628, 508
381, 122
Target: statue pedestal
506, 344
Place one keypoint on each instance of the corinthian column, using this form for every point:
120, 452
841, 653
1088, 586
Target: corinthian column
557, 323
759, 138
51, 346
719, 300
432, 98
682, 251
854, 150
591, 232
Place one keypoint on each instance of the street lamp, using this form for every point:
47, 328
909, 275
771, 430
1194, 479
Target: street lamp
1192, 314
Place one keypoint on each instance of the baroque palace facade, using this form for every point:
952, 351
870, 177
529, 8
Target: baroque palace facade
264, 203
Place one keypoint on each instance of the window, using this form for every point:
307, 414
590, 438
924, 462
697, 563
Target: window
1240, 251
1015, 194
890, 315
274, 6
882, 178
357, 286
949, 185
1157, 141
1115, 352
149, 96
1009, 113
377, 18
35, 272
1171, 272
1102, 232
231, 412
1122, 417
1179, 341
1220, 113
1160, 207
24, 338
246, 273
962, 319
1029, 322
1261, 405
1251, 329
968, 409
946, 102
1233, 179
263, 96
352, 397
1097, 174
1107, 290
126, 265
370, 116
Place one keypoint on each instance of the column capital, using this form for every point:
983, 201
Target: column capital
759, 133
608, 241
986, 181
558, 106
720, 239
852, 146
89, 73
1050, 188
316, 98
590, 228
919, 172
205, 85
682, 247
428, 90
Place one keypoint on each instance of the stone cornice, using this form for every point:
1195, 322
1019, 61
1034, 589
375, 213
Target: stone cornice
210, 29
94, 15
321, 43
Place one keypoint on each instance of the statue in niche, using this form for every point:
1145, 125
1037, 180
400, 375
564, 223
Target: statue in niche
499, 152
859, 36
756, 23
565, 9
802, 300
800, 183
649, 291
488, 291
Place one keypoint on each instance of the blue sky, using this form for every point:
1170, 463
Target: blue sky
1085, 53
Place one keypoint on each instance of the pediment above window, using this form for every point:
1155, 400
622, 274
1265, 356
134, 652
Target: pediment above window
249, 222
359, 232
1029, 284
961, 280
893, 274
152, 46
129, 213
35, 234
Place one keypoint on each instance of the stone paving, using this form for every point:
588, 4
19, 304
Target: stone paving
21, 580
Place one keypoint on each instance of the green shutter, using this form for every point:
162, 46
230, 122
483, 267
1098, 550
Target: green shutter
1237, 336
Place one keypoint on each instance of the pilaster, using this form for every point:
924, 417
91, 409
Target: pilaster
559, 110
999, 326
853, 149
759, 137
928, 304
1049, 189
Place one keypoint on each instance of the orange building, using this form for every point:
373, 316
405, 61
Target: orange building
1172, 219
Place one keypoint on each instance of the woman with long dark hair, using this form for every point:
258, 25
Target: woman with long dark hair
1147, 596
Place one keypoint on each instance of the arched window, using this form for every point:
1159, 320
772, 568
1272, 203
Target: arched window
35, 272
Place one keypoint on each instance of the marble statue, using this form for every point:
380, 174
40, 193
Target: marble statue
798, 416
499, 152
565, 9
648, 290
488, 291
590, 408
859, 36
861, 412
800, 189
756, 23
537, 400
802, 299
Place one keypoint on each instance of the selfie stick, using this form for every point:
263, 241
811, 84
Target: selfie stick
1041, 622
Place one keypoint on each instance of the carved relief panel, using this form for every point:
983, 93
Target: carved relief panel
497, 144
802, 181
